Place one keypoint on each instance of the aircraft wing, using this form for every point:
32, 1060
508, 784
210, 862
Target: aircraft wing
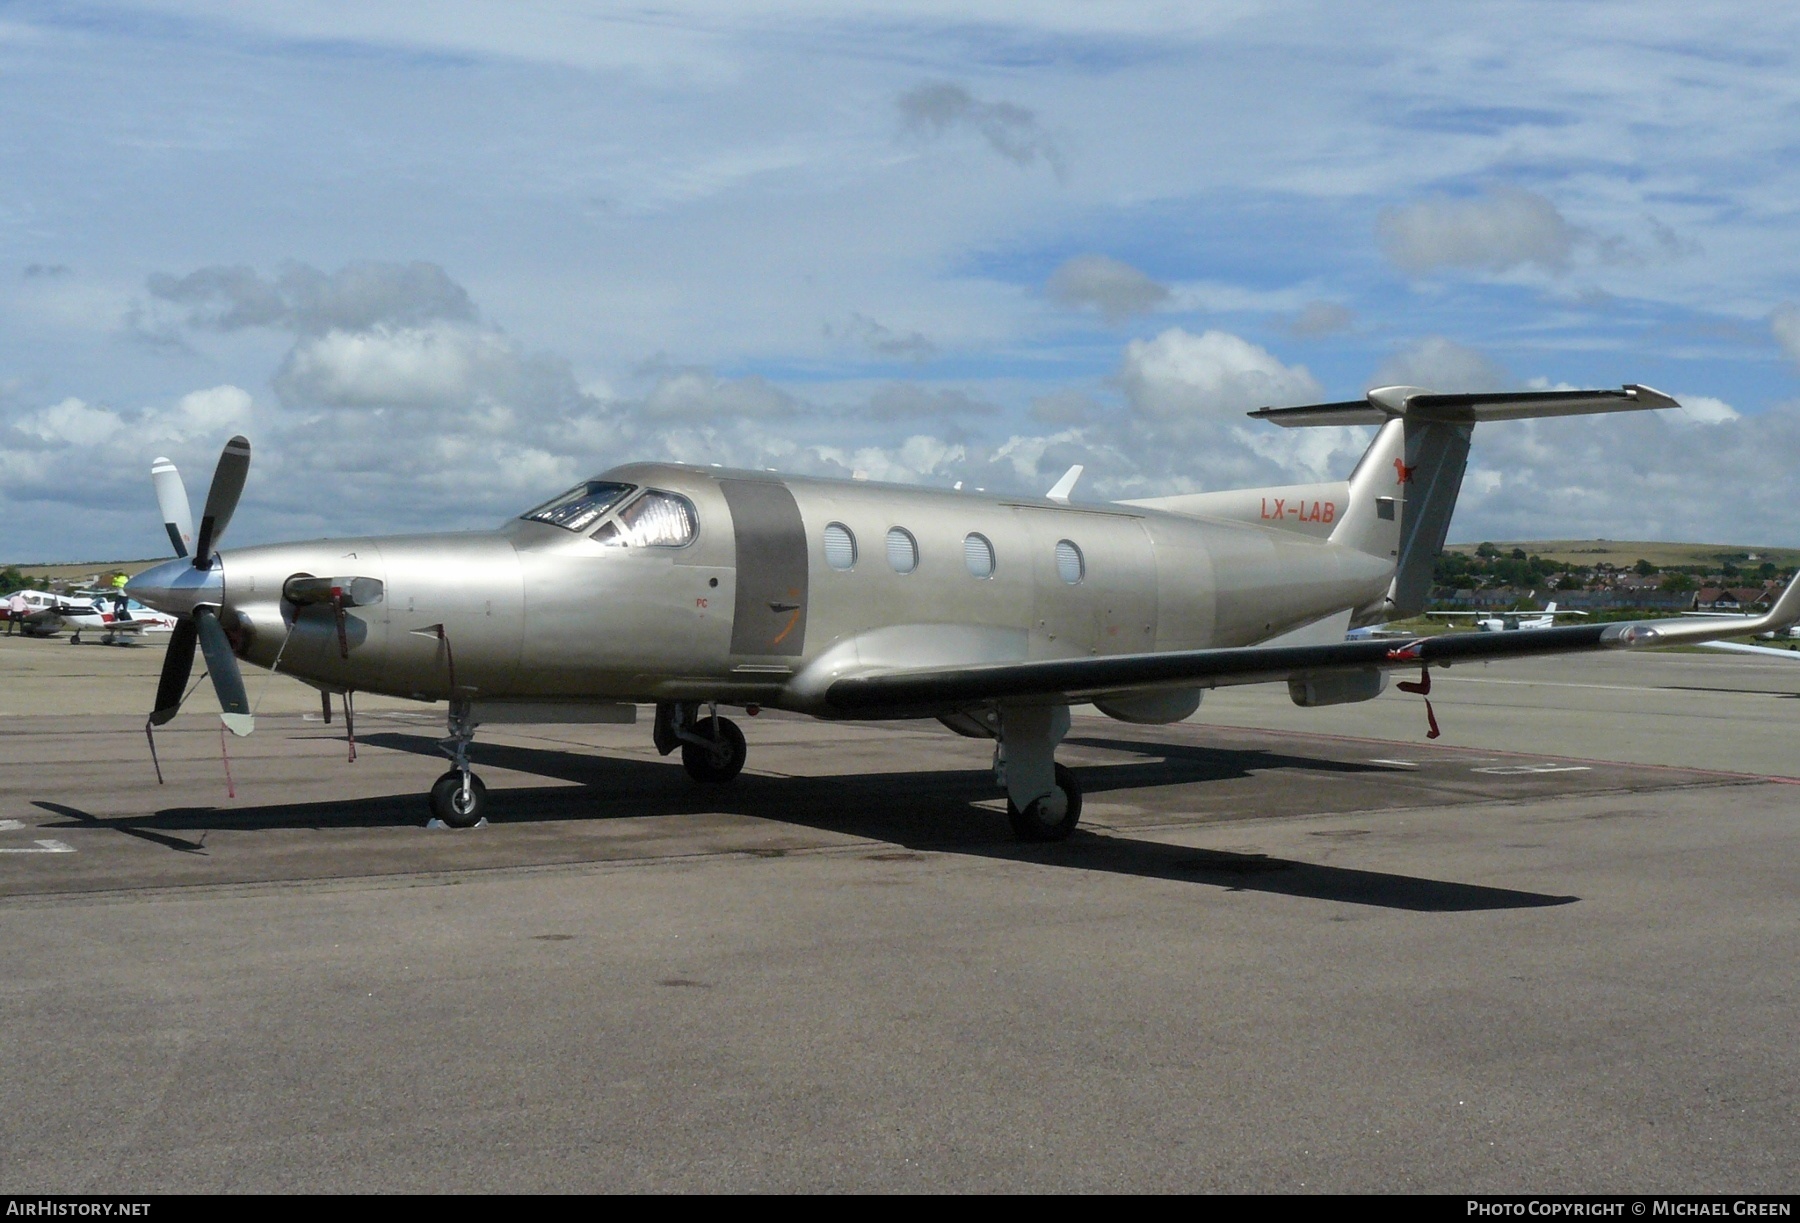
927, 690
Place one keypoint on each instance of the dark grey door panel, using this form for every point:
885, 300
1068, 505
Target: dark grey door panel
770, 614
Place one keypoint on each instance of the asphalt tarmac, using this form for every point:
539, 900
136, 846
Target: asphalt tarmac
1551, 951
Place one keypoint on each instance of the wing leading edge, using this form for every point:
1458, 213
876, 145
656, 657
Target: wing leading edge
927, 690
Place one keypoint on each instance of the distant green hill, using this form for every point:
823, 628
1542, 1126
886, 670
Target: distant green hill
1626, 553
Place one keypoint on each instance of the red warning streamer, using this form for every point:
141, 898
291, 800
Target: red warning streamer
1423, 688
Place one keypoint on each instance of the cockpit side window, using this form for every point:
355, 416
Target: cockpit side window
581, 506
654, 520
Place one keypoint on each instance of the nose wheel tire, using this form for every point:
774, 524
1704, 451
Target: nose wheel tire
1051, 818
718, 758
455, 808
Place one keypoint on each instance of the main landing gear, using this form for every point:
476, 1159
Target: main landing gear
712, 748
1043, 799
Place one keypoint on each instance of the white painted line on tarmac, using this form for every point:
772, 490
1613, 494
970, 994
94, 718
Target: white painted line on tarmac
11, 825
1546, 683
1399, 764
1514, 770
44, 847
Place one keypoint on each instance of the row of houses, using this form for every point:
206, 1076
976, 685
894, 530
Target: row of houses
1619, 598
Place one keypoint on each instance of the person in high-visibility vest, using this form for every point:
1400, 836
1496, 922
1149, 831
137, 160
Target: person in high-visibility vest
119, 596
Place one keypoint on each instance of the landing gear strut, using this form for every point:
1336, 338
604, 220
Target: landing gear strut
712, 748
458, 798
1043, 799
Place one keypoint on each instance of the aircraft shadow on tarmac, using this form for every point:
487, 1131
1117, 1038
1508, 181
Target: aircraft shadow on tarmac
925, 810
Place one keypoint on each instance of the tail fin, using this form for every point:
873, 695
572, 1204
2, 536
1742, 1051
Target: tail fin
1424, 442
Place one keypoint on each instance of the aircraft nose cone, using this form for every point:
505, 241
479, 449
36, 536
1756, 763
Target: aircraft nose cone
176, 587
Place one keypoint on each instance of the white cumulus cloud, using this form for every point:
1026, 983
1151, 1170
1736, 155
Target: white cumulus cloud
1705, 410
1117, 290
1440, 364
1785, 323
1181, 375
1496, 232
71, 422
439, 365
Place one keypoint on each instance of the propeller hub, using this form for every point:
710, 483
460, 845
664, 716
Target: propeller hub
177, 588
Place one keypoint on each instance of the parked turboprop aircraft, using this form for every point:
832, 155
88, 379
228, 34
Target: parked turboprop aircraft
1506, 622
695, 587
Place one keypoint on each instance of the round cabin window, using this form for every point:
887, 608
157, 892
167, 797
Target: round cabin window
903, 550
1070, 565
840, 546
978, 555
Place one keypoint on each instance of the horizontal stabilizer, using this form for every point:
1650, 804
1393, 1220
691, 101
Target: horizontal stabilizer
1387, 402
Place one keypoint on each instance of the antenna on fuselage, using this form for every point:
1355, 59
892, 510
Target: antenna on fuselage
1063, 487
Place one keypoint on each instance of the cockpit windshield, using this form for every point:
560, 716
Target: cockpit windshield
654, 520
581, 506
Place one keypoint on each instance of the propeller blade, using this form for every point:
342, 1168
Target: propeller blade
178, 664
222, 665
222, 498
172, 499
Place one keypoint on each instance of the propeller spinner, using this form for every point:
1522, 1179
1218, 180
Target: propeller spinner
195, 591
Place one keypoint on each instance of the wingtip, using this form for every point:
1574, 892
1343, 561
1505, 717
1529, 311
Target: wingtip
1650, 397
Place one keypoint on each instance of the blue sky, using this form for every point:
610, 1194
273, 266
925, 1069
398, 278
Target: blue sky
440, 261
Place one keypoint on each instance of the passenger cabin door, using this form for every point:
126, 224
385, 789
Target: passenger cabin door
769, 617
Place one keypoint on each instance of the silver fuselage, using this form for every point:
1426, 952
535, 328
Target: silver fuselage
753, 611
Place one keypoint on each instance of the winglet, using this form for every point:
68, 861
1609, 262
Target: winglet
1784, 614
1065, 486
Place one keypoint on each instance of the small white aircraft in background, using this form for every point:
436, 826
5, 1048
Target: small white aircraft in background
1377, 632
116, 618
1506, 622
40, 617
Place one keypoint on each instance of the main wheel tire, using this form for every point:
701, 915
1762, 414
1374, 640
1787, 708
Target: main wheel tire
451, 805
1041, 821
715, 765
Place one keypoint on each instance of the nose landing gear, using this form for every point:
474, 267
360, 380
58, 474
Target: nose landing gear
458, 798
